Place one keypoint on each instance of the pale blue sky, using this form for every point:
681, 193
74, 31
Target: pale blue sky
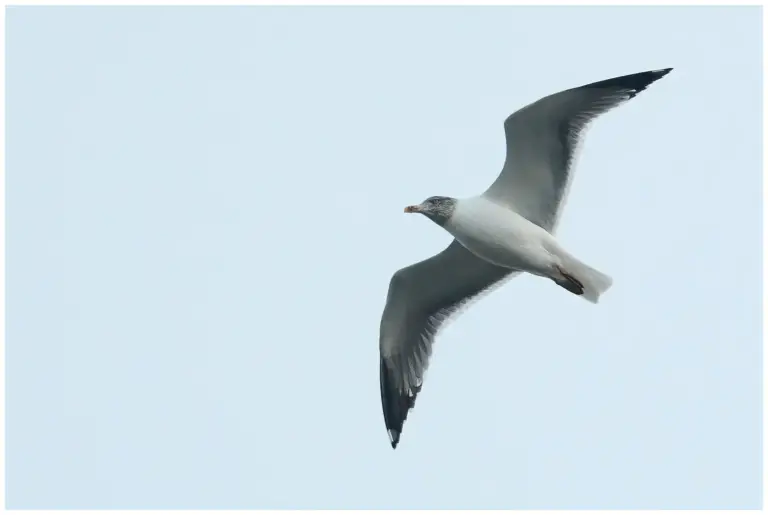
204, 209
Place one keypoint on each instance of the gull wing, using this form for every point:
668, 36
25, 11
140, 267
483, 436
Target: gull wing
421, 299
543, 139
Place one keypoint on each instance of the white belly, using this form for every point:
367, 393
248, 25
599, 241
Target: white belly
502, 236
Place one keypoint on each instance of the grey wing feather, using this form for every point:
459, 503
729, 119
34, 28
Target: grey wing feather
421, 299
543, 140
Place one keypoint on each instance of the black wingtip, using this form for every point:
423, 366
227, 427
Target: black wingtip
635, 82
395, 404
661, 73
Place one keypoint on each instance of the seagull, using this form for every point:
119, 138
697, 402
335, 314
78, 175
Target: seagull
507, 230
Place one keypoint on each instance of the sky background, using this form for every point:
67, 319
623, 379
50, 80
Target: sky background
204, 210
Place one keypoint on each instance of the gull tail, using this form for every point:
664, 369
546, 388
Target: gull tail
581, 279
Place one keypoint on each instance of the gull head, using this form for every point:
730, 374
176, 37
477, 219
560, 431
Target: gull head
437, 209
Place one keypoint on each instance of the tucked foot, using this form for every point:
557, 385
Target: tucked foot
569, 282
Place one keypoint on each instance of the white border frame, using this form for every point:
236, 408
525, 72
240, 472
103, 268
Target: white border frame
369, 3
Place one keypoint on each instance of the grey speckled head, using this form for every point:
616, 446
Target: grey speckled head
437, 209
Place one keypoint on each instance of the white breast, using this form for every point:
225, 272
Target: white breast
500, 235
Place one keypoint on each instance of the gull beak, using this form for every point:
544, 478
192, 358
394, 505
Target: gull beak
412, 209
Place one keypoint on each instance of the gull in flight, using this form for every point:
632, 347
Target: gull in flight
507, 230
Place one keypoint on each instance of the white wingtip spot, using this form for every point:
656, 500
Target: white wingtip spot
394, 437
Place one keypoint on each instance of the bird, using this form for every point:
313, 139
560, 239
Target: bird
507, 230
